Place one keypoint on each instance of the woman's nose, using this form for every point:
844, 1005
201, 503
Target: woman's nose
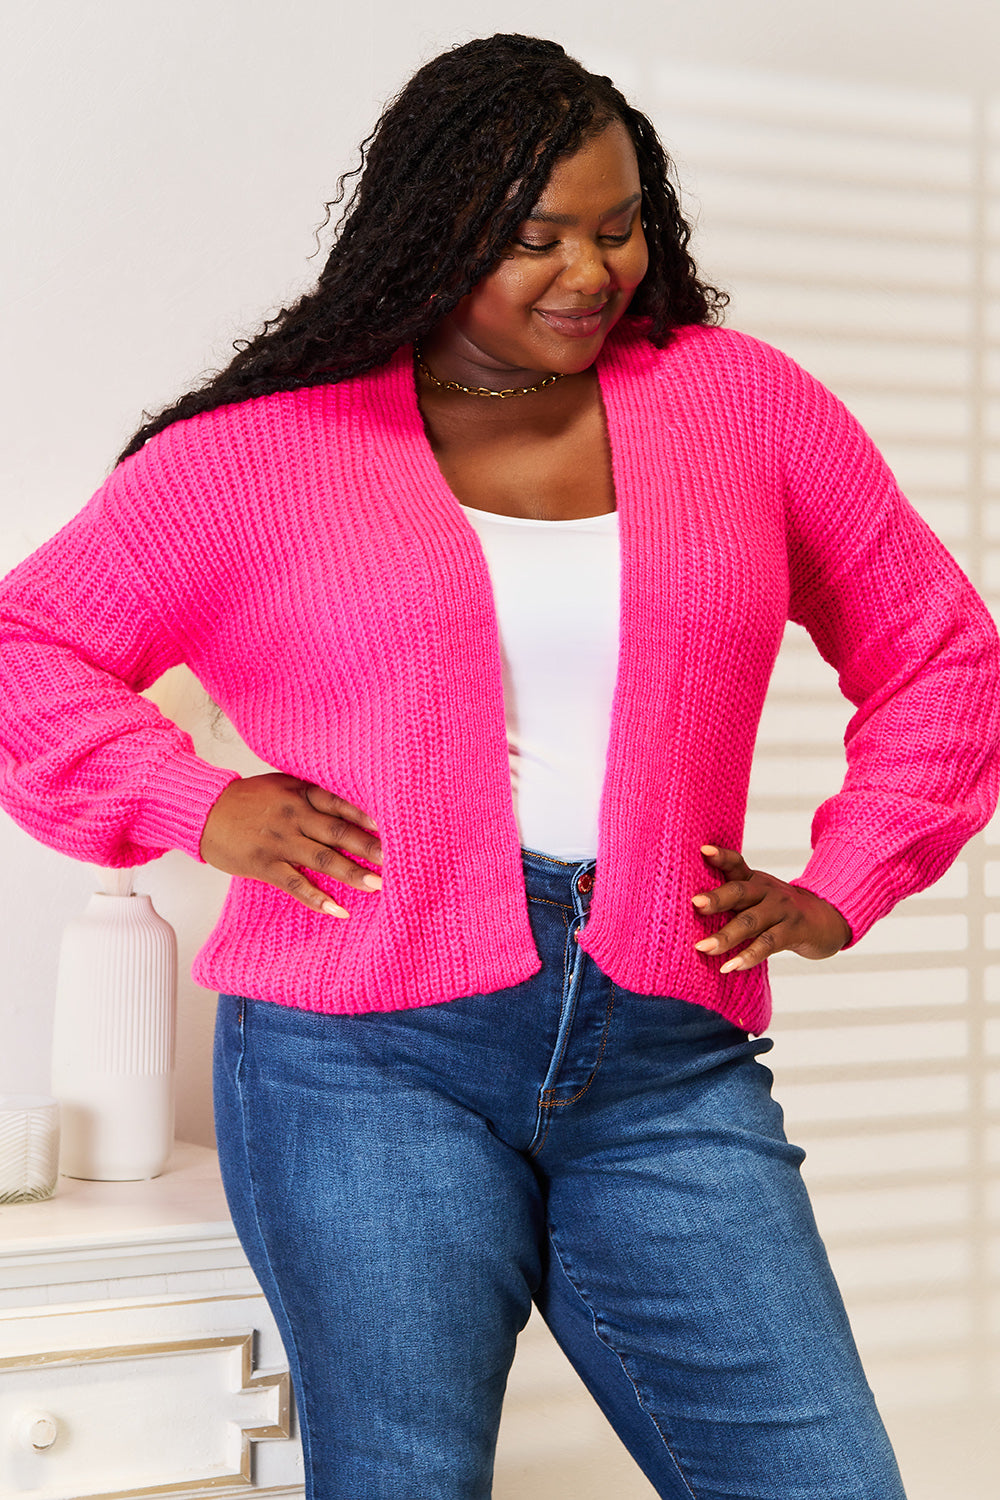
586, 270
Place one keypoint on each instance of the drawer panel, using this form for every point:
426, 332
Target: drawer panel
170, 1417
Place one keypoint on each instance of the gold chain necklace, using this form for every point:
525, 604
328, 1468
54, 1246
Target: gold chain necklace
482, 390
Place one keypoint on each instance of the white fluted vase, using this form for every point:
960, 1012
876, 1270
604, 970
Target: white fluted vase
113, 1043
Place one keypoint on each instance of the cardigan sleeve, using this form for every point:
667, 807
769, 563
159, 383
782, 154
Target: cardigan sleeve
87, 764
916, 652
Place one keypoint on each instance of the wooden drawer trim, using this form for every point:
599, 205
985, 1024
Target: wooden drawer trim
279, 1381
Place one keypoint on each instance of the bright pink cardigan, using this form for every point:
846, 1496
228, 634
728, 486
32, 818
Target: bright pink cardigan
304, 556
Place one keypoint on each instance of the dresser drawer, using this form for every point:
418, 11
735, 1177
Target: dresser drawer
156, 1399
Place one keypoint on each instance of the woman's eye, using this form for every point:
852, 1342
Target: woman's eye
540, 248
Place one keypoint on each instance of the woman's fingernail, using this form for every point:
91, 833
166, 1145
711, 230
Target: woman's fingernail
709, 849
370, 823
734, 963
707, 945
373, 882
700, 900
333, 910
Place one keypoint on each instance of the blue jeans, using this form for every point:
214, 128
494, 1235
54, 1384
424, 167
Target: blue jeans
406, 1183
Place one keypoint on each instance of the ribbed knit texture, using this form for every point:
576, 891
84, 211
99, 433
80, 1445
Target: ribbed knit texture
304, 556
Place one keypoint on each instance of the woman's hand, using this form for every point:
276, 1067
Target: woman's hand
270, 827
775, 915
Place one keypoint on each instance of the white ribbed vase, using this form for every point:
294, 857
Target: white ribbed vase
113, 1044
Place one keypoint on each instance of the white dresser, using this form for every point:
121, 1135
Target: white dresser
137, 1354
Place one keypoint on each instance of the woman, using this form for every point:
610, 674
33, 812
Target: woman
487, 545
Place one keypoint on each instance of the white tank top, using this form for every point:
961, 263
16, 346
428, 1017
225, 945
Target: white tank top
557, 590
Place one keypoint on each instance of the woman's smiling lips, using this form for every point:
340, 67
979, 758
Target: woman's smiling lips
574, 324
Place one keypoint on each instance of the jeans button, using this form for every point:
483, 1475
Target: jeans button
585, 883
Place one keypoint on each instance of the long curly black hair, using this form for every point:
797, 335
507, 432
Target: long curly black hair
456, 162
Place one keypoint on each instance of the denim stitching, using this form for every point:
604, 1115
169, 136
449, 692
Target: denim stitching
534, 1149
567, 974
302, 1423
608, 1345
567, 864
555, 1103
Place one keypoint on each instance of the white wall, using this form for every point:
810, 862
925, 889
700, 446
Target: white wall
166, 167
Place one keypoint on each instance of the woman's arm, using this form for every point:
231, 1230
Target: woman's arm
92, 768
87, 764
916, 653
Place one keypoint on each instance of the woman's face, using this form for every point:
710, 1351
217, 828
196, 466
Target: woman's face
565, 281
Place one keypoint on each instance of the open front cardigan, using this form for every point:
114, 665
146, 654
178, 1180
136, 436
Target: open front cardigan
304, 556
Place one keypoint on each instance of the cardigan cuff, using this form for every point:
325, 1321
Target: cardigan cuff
177, 797
842, 874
